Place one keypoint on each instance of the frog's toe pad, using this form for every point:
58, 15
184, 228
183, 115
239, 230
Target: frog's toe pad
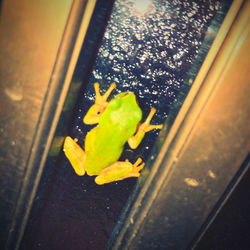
138, 165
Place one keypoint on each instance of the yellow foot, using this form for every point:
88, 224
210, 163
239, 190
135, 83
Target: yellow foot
102, 99
145, 127
75, 155
92, 116
120, 170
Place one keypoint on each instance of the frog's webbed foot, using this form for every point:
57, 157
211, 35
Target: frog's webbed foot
120, 170
93, 114
145, 127
75, 155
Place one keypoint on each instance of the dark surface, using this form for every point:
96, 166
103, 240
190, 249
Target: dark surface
202, 162
84, 222
231, 227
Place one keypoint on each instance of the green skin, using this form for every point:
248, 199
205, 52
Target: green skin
118, 123
104, 144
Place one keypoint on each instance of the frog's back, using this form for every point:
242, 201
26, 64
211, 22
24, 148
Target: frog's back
104, 144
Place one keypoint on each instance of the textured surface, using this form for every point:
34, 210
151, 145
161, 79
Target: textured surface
27, 54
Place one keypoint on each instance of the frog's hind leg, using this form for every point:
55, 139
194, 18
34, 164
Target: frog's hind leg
75, 155
120, 170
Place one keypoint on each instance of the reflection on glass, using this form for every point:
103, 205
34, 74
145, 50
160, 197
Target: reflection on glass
148, 48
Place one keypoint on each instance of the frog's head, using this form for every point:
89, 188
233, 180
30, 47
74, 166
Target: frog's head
123, 109
126, 98
124, 102
121, 95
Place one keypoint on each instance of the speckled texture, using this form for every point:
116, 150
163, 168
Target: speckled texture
149, 51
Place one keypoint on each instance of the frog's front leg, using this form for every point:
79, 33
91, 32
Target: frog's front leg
93, 114
120, 170
145, 127
75, 155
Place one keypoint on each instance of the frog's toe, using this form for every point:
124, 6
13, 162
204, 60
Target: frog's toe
138, 165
